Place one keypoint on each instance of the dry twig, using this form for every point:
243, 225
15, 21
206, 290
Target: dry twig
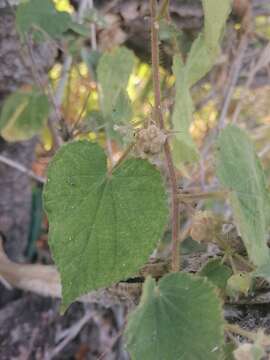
15, 165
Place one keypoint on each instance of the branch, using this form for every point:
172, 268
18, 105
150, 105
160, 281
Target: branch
190, 197
15, 165
167, 150
69, 334
262, 62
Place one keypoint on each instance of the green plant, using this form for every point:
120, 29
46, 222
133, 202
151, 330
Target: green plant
106, 218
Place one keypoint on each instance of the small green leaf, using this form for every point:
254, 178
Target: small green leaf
23, 115
217, 273
113, 72
167, 30
180, 317
240, 170
189, 246
103, 226
239, 284
41, 15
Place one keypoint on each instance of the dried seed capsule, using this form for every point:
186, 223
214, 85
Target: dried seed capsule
205, 226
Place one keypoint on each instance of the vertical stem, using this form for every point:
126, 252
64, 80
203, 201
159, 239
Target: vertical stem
167, 150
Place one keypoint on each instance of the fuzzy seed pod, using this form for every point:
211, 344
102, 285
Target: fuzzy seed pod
150, 140
205, 227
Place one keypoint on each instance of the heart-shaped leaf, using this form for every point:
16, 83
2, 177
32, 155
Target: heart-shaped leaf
178, 318
103, 226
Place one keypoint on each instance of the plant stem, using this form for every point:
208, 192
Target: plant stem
190, 197
167, 150
163, 9
122, 158
232, 264
15, 165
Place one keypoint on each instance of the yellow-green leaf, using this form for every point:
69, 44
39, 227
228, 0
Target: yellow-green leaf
23, 115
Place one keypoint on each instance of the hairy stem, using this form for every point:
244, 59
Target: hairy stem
167, 150
190, 197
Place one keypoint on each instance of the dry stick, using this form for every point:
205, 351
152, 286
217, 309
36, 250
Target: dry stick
57, 139
236, 68
93, 29
116, 338
233, 78
167, 150
264, 151
60, 90
71, 333
15, 165
190, 197
262, 62
37, 79
56, 98
94, 47
235, 72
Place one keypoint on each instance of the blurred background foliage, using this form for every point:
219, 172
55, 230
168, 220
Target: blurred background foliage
81, 107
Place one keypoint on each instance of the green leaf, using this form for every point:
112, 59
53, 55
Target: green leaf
180, 317
263, 271
240, 170
23, 115
113, 72
103, 226
200, 61
122, 111
91, 58
215, 15
184, 148
239, 284
189, 246
205, 48
217, 273
79, 29
42, 15
167, 30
